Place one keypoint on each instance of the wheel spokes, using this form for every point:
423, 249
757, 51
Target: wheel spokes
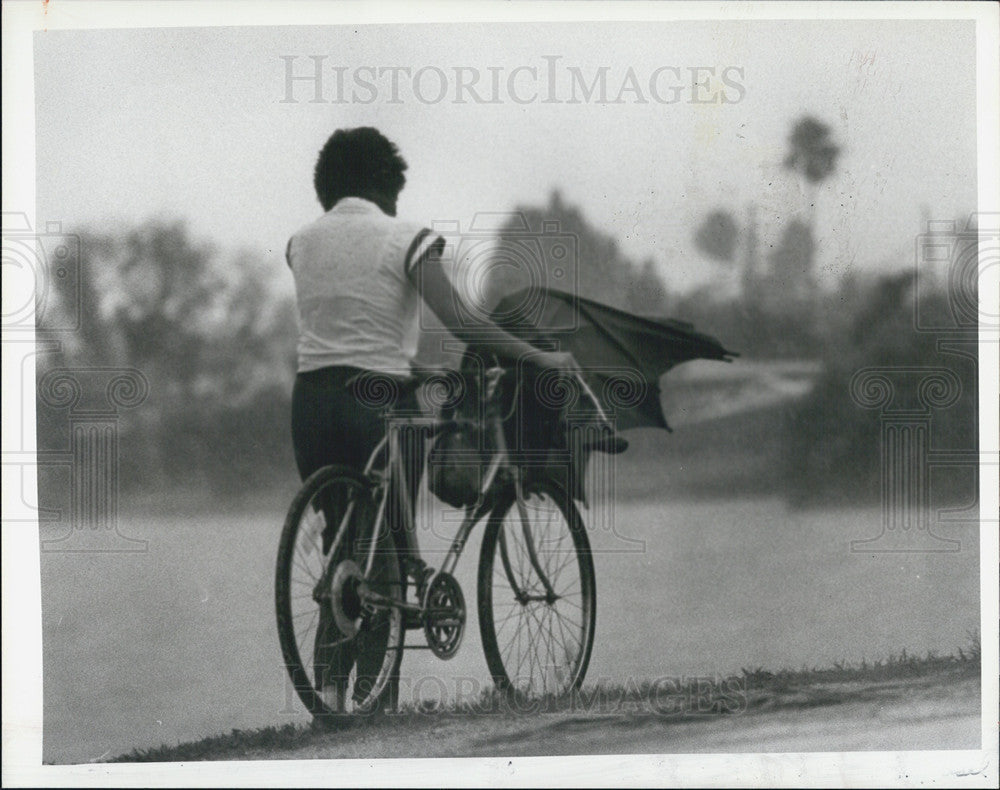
325, 655
542, 651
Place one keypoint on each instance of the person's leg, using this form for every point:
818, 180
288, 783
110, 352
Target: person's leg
411, 450
315, 438
329, 427
367, 426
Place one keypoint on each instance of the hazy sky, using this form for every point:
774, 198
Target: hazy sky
190, 123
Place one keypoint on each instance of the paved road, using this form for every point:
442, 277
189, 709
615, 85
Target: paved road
179, 642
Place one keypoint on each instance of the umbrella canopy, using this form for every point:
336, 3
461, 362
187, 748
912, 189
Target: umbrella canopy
622, 356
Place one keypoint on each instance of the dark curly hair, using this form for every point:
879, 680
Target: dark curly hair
355, 163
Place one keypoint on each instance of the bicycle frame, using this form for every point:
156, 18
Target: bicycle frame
359, 576
474, 513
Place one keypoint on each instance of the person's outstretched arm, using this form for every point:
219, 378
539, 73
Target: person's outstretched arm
426, 271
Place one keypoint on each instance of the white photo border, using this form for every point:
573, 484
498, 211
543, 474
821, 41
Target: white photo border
22, 656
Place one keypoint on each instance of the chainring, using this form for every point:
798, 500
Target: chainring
444, 615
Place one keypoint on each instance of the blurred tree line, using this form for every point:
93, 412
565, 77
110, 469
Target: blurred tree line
829, 445
832, 444
215, 336
207, 332
595, 267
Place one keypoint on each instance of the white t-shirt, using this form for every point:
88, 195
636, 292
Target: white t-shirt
356, 305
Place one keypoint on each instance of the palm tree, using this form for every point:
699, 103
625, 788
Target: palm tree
813, 155
811, 152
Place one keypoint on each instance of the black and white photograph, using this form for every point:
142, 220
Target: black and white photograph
500, 393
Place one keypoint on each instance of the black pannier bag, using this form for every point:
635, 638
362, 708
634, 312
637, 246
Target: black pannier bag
456, 463
553, 432
535, 433
460, 451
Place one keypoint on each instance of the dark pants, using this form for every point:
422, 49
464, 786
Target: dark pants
330, 426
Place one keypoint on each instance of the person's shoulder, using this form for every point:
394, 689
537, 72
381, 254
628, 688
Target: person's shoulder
406, 229
312, 227
399, 232
316, 231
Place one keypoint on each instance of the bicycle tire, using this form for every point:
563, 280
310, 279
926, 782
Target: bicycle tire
494, 572
291, 591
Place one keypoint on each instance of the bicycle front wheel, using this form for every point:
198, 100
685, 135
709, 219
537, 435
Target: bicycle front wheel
537, 593
341, 656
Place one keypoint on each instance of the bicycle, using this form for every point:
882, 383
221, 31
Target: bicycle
342, 588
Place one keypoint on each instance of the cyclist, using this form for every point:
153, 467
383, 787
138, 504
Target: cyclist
360, 274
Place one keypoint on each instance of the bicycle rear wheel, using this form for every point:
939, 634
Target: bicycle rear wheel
340, 656
537, 593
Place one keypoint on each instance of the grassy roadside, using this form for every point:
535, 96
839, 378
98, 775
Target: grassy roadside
680, 701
